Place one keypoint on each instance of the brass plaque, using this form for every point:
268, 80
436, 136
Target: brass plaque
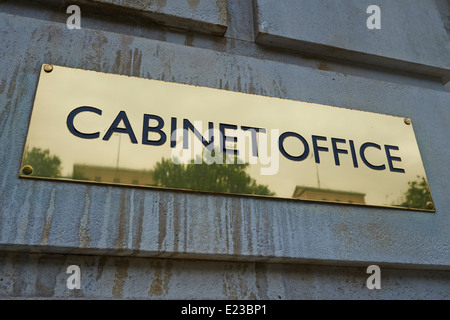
110, 129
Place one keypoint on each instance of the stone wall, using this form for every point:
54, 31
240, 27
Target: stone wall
135, 243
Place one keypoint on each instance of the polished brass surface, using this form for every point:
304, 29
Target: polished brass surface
102, 128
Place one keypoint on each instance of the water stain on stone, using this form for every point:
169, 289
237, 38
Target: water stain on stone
223, 12
235, 281
236, 225
189, 39
100, 267
140, 225
160, 4
137, 61
162, 212
84, 222
239, 87
121, 276
322, 65
220, 44
47, 271
2, 86
117, 61
121, 231
162, 276
261, 280
19, 284
129, 61
48, 218
193, 4
98, 43
12, 83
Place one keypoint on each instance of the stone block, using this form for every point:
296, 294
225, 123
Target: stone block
412, 36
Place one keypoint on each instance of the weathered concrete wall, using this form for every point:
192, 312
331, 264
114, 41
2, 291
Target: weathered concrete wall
103, 277
409, 28
444, 10
203, 16
244, 233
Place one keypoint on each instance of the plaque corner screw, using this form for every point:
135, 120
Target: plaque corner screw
407, 121
48, 68
27, 169
430, 205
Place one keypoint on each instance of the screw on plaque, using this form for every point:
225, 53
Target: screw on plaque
27, 170
48, 68
407, 121
430, 205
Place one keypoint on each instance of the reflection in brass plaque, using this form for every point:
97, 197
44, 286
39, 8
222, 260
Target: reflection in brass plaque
103, 128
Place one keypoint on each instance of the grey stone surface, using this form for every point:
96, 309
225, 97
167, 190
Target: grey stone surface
75, 218
238, 40
447, 86
265, 247
204, 16
44, 276
444, 10
412, 36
